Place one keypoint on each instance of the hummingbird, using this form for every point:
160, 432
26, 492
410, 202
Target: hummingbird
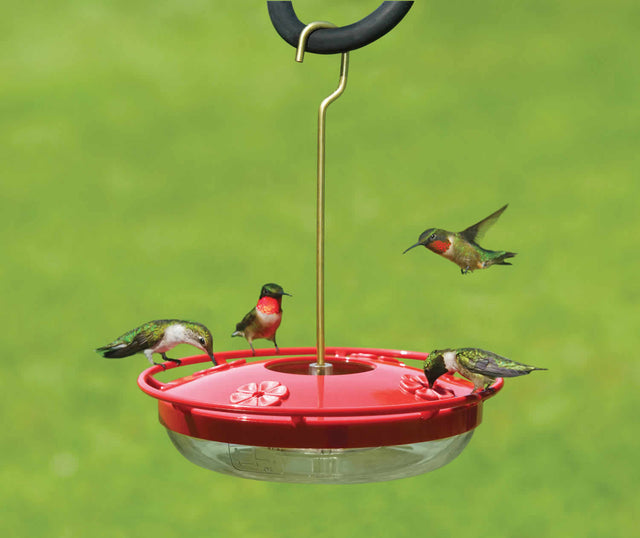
461, 247
477, 365
264, 319
159, 336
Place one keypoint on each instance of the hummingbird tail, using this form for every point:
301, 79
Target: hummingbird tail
114, 352
110, 353
500, 260
522, 369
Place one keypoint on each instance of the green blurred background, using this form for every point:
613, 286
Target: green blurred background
158, 160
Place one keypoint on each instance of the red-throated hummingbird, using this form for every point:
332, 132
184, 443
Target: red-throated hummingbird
264, 319
461, 247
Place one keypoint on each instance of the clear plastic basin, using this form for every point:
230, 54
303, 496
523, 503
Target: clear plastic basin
321, 466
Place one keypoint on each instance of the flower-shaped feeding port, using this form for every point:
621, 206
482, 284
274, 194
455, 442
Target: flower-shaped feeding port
419, 387
374, 418
264, 394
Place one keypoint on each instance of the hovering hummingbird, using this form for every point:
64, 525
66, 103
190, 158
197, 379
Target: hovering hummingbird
477, 365
159, 336
264, 319
461, 247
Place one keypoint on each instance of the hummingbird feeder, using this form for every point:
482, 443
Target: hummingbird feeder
316, 414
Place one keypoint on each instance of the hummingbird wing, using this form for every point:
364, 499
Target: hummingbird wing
134, 341
249, 319
128, 344
479, 361
475, 232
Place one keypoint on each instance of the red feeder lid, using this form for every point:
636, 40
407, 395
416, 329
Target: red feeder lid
371, 399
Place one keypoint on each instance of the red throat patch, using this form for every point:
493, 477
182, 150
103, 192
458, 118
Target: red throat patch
268, 305
439, 246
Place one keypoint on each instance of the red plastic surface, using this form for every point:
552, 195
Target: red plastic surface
372, 399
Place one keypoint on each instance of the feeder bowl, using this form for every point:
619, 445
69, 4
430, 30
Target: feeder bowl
373, 419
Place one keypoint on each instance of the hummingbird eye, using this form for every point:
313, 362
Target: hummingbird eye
202, 340
432, 237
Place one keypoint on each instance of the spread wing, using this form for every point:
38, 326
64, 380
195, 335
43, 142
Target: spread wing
475, 232
479, 361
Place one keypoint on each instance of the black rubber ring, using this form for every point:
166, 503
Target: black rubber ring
335, 40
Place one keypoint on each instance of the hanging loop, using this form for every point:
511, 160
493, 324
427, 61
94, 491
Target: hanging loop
331, 40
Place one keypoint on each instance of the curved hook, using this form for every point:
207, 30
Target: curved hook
304, 37
331, 40
344, 64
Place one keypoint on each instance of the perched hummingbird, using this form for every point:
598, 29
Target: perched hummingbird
263, 320
461, 247
477, 365
159, 336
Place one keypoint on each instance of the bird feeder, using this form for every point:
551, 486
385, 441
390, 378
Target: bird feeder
373, 418
316, 414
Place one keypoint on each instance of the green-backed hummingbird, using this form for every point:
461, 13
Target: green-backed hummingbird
264, 319
159, 336
461, 247
477, 365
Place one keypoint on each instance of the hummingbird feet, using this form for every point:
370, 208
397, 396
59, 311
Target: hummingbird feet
177, 361
464, 271
160, 364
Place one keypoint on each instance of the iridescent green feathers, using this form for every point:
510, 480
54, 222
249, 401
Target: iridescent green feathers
462, 247
159, 336
478, 365
136, 340
272, 290
479, 361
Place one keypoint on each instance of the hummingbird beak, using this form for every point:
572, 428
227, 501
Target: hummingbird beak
412, 246
213, 359
432, 378
288, 294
